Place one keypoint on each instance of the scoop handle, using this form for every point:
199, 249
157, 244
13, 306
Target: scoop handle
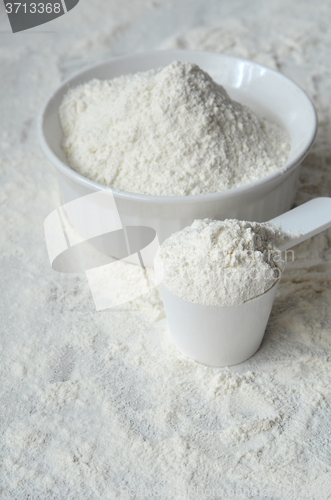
307, 220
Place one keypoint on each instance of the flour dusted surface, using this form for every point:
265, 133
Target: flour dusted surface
221, 263
172, 131
92, 402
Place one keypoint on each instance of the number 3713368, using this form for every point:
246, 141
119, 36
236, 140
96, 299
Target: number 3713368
33, 8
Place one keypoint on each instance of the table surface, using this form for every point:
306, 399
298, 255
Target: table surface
101, 405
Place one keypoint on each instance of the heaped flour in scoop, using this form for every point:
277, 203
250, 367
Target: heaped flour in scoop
221, 263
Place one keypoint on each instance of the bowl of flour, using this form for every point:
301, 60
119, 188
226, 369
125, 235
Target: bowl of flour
180, 135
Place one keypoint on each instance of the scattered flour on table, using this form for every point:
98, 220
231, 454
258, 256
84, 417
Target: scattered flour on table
95, 402
171, 131
221, 262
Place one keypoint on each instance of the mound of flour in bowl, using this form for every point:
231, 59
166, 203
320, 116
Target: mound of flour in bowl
172, 131
221, 262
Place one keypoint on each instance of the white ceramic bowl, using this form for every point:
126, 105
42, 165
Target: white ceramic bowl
266, 91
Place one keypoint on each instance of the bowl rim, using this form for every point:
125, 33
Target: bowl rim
285, 170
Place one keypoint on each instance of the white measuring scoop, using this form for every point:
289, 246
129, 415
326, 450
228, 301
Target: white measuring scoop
228, 335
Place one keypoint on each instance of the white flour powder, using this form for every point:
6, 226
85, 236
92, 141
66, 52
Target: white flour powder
173, 131
96, 402
221, 262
